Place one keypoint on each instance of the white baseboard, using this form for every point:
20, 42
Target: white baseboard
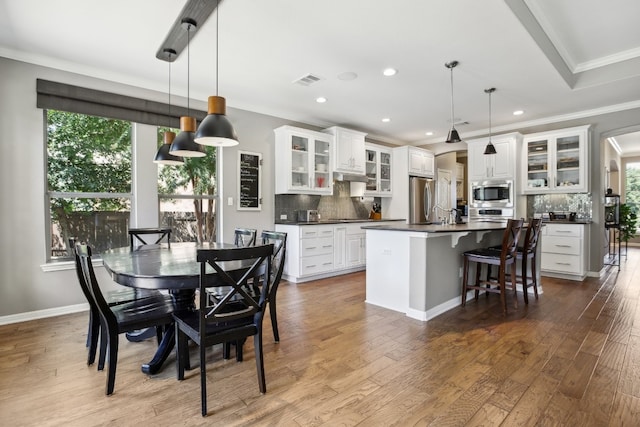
41, 314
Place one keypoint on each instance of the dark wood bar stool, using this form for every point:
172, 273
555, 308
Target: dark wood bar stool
135, 233
506, 257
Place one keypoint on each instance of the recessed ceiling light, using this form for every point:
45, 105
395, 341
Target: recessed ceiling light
518, 113
321, 100
390, 72
347, 75
428, 133
386, 120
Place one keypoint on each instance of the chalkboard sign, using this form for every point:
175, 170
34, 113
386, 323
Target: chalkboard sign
249, 181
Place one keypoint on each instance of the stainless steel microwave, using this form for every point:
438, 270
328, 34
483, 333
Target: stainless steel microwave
492, 194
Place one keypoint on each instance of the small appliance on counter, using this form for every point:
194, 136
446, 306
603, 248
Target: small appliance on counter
309, 215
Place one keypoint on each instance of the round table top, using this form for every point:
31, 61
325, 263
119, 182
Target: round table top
162, 267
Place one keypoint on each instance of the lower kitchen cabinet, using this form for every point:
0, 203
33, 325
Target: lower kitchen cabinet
564, 251
315, 251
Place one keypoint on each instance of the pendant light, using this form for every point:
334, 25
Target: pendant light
453, 133
163, 156
184, 145
216, 130
490, 149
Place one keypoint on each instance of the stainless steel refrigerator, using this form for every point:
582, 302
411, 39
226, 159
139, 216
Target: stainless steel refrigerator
421, 199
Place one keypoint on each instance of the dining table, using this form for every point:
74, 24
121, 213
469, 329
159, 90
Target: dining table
172, 268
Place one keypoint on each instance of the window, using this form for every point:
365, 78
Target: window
188, 195
88, 181
632, 187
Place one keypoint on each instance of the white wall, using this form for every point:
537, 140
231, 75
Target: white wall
24, 286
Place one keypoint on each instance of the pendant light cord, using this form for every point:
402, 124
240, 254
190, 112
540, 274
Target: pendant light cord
188, 68
490, 115
169, 89
452, 119
217, 38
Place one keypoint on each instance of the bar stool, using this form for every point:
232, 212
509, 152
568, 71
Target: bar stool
135, 233
489, 256
528, 255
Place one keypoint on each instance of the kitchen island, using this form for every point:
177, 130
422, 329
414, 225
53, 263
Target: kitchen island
417, 269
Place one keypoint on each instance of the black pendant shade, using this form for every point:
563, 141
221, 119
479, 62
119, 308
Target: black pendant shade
490, 149
453, 136
164, 156
216, 130
184, 144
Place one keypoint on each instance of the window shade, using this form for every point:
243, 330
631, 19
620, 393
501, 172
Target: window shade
75, 99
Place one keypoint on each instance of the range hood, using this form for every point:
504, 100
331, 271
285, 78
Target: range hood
351, 177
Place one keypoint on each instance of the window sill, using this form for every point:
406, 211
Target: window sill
65, 265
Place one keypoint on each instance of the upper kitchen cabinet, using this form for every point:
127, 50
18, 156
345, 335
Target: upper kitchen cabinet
303, 161
414, 161
348, 150
377, 170
501, 165
556, 161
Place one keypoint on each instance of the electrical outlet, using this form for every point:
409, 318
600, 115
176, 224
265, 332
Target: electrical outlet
230, 201
283, 216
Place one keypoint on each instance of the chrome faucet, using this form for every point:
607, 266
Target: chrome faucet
443, 219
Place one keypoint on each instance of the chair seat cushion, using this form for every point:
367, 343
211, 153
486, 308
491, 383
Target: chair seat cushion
485, 254
144, 312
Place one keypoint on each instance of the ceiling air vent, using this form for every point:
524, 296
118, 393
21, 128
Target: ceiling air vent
307, 80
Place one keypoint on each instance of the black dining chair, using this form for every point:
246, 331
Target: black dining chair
229, 319
113, 297
243, 237
279, 241
116, 319
504, 258
136, 234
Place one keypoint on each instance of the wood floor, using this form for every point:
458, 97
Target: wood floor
571, 358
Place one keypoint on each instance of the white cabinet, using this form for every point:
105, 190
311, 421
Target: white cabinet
302, 161
356, 246
339, 246
421, 162
377, 170
556, 162
348, 150
502, 165
460, 181
563, 251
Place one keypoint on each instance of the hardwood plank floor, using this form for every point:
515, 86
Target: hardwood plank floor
571, 358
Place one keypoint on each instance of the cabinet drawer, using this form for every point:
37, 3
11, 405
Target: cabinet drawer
561, 263
561, 245
314, 231
318, 246
563, 230
316, 264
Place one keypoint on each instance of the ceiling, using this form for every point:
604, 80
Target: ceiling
555, 60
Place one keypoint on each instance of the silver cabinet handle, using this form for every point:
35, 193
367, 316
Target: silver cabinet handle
563, 246
311, 247
564, 231
311, 266
563, 263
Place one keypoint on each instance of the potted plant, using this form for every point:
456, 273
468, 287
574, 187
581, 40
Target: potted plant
628, 222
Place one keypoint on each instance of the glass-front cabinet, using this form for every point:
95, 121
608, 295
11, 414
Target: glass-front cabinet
302, 161
556, 162
377, 170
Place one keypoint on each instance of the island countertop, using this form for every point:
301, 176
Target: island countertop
439, 228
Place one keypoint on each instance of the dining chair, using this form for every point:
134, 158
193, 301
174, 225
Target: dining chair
135, 234
244, 237
279, 241
117, 319
229, 319
504, 258
113, 297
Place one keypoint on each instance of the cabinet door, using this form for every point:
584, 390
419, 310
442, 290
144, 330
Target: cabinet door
371, 170
384, 186
353, 250
536, 152
569, 163
339, 246
476, 166
501, 165
321, 165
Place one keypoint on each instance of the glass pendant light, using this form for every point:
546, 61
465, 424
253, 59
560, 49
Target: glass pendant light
163, 156
216, 129
490, 149
453, 133
184, 144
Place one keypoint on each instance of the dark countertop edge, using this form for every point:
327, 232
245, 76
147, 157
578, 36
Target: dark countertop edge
337, 221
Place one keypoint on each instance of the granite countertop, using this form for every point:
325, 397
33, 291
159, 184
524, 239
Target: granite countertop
438, 228
336, 221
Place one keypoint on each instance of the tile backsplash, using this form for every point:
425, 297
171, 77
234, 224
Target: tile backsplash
339, 205
580, 203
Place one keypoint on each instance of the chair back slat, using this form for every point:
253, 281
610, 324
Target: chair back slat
236, 303
510, 240
83, 251
279, 241
533, 235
